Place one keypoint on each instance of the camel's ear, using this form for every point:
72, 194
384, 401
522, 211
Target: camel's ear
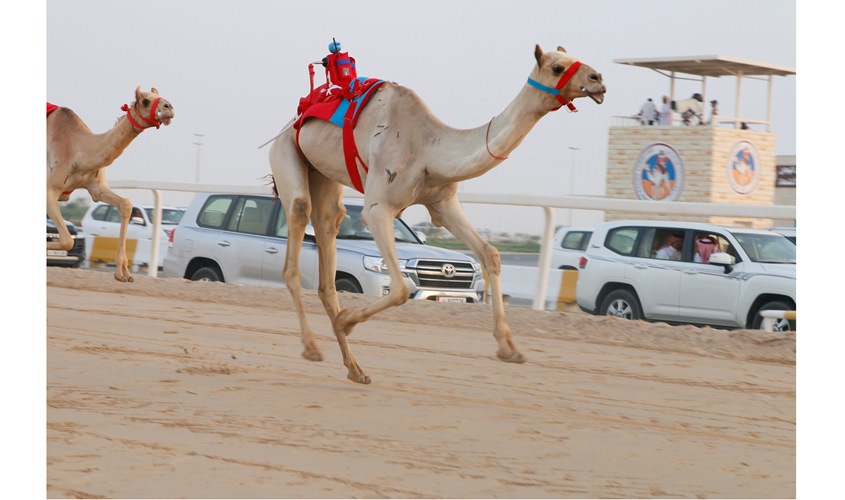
138, 94
154, 91
561, 48
538, 53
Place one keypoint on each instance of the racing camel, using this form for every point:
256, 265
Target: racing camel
76, 157
411, 157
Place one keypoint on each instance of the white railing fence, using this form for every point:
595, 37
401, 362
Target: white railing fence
547, 203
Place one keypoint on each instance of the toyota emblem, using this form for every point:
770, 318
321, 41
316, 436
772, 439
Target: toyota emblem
448, 270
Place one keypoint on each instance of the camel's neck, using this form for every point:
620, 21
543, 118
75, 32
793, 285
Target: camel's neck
103, 149
473, 152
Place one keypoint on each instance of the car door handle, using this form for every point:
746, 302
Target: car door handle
272, 250
690, 271
640, 266
223, 243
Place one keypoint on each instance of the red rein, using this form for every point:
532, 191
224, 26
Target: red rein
151, 120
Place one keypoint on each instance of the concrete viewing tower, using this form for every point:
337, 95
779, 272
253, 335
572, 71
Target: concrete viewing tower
726, 159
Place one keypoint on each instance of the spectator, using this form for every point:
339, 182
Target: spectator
648, 112
664, 117
706, 247
671, 250
714, 112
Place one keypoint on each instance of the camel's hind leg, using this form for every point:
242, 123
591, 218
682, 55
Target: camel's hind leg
55, 213
291, 179
448, 214
327, 213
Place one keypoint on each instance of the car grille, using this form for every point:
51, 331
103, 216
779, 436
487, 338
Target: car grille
78, 248
430, 274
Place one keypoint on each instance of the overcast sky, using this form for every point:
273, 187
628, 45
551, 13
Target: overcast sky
235, 71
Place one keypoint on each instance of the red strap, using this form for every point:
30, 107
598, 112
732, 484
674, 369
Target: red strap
487, 143
567, 75
151, 120
350, 150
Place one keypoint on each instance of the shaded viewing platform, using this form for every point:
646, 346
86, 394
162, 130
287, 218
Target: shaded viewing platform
698, 69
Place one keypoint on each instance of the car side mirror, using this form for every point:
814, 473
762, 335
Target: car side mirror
137, 220
723, 259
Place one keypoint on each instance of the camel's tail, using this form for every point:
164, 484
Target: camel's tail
271, 181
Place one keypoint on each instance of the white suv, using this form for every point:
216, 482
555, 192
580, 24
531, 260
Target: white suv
242, 239
102, 231
686, 272
569, 246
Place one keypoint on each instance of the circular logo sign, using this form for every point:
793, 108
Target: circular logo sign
743, 167
658, 173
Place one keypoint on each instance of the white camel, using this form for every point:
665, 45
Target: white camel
76, 158
413, 158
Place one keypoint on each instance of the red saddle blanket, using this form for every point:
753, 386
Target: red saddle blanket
341, 106
51, 107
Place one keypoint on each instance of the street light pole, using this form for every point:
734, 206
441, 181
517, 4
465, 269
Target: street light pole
199, 145
572, 177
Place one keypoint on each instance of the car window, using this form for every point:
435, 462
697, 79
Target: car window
251, 215
708, 243
100, 212
352, 227
668, 243
113, 215
621, 240
576, 240
168, 215
280, 228
767, 248
213, 213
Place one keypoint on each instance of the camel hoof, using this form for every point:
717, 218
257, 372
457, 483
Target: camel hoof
123, 279
515, 357
361, 379
312, 354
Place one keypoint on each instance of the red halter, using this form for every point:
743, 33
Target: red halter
567, 75
151, 120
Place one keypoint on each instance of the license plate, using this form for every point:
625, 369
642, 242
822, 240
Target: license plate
57, 253
451, 299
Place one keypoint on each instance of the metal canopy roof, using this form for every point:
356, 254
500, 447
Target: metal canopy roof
714, 66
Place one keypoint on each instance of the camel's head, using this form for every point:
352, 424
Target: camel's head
557, 66
151, 106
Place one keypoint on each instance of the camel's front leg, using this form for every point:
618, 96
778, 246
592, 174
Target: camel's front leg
379, 218
448, 213
124, 206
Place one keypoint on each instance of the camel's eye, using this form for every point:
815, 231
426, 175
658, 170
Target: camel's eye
146, 102
558, 69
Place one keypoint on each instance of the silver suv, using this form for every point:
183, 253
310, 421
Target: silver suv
687, 272
242, 239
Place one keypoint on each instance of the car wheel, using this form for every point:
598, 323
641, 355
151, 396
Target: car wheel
347, 285
621, 304
207, 274
778, 325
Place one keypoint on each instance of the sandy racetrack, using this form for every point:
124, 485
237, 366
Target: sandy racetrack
169, 388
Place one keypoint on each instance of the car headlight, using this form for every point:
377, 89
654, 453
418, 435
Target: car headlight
476, 267
377, 264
